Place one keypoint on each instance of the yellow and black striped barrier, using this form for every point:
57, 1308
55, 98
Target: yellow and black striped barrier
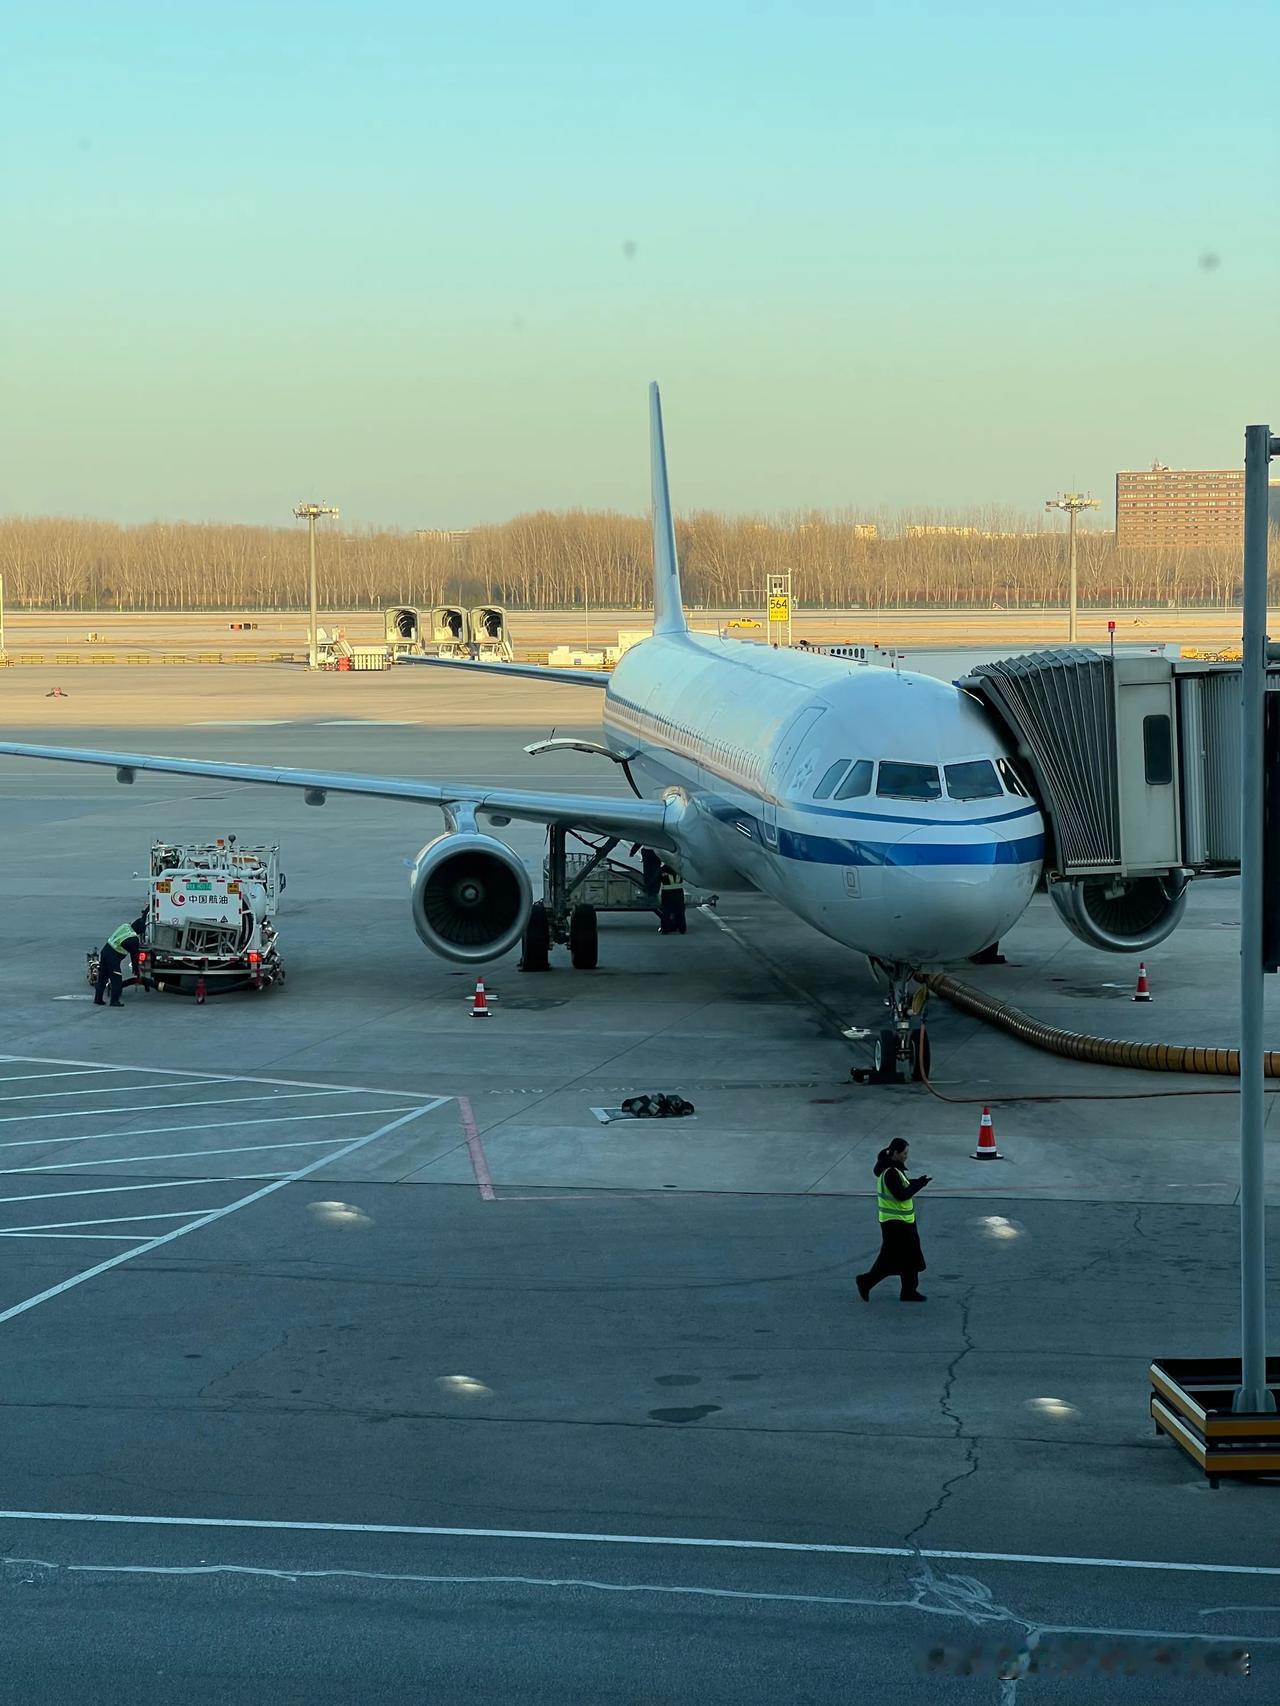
1191, 1399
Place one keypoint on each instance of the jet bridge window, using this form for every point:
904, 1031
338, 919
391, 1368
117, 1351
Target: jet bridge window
1157, 750
857, 782
908, 781
830, 778
976, 780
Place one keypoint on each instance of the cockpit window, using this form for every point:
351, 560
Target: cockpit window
1011, 779
857, 782
908, 781
830, 778
976, 780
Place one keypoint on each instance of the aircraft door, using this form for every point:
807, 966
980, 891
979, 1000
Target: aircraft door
785, 753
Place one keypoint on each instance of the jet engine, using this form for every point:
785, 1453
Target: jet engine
471, 897
1124, 915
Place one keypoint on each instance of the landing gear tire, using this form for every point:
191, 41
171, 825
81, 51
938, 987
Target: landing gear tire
584, 939
921, 1055
535, 951
884, 1060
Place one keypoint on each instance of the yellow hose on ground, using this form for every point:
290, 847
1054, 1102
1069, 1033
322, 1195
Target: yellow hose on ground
1073, 1045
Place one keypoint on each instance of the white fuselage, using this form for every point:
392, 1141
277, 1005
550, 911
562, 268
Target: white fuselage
741, 736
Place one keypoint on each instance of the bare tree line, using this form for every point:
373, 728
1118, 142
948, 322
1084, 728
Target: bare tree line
556, 561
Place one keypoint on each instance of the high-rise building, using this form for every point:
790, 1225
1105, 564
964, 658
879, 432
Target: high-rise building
1184, 507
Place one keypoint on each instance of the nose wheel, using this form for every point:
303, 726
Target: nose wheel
893, 1050
903, 1044
884, 1057
919, 1054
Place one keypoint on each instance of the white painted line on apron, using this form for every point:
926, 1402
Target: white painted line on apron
346, 1149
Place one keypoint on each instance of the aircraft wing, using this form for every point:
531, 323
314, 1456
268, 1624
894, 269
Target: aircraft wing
531, 671
649, 821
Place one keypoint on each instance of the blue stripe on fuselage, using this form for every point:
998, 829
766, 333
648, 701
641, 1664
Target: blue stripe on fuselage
827, 850
823, 850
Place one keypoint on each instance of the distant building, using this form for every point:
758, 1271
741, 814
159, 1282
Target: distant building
1174, 507
922, 530
866, 530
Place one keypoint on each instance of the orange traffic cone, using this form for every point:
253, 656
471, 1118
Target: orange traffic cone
986, 1150
480, 1001
1143, 991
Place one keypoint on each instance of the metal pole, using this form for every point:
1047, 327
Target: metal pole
1253, 1393
1, 616
313, 642
1071, 558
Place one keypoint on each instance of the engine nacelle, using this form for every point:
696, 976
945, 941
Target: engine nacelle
471, 897
1123, 915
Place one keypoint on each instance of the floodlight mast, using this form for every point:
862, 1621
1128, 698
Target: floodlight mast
309, 513
1073, 503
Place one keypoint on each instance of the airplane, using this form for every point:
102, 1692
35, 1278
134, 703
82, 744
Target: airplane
883, 807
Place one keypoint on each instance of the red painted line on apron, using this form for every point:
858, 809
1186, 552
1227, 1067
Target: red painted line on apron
475, 1149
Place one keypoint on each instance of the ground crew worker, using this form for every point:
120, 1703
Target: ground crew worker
124, 943
900, 1251
670, 903
652, 868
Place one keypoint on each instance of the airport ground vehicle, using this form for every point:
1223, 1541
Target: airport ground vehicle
210, 909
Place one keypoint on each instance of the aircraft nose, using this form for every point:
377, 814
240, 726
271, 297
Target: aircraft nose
954, 900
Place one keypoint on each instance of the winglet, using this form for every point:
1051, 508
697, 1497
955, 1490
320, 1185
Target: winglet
668, 608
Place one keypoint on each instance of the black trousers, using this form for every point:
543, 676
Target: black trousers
671, 912
109, 963
900, 1254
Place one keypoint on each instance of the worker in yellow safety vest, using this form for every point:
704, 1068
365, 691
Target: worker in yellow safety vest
124, 943
900, 1251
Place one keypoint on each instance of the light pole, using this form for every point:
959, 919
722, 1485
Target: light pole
308, 513
1253, 1392
1073, 503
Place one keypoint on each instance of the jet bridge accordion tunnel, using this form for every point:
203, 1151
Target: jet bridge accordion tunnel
1135, 763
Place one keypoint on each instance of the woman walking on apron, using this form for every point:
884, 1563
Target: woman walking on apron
900, 1251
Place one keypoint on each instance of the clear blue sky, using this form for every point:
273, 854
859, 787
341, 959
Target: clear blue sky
910, 253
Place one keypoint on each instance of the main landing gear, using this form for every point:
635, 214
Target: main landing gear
903, 1044
564, 915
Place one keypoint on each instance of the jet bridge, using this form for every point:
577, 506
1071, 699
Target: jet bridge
1135, 763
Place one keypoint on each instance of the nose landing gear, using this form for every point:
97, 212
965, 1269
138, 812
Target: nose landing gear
905, 1043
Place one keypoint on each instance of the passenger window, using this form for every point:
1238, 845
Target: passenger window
1157, 750
857, 782
830, 778
976, 780
908, 781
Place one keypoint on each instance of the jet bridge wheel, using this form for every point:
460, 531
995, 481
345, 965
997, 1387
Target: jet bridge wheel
584, 938
535, 950
884, 1058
